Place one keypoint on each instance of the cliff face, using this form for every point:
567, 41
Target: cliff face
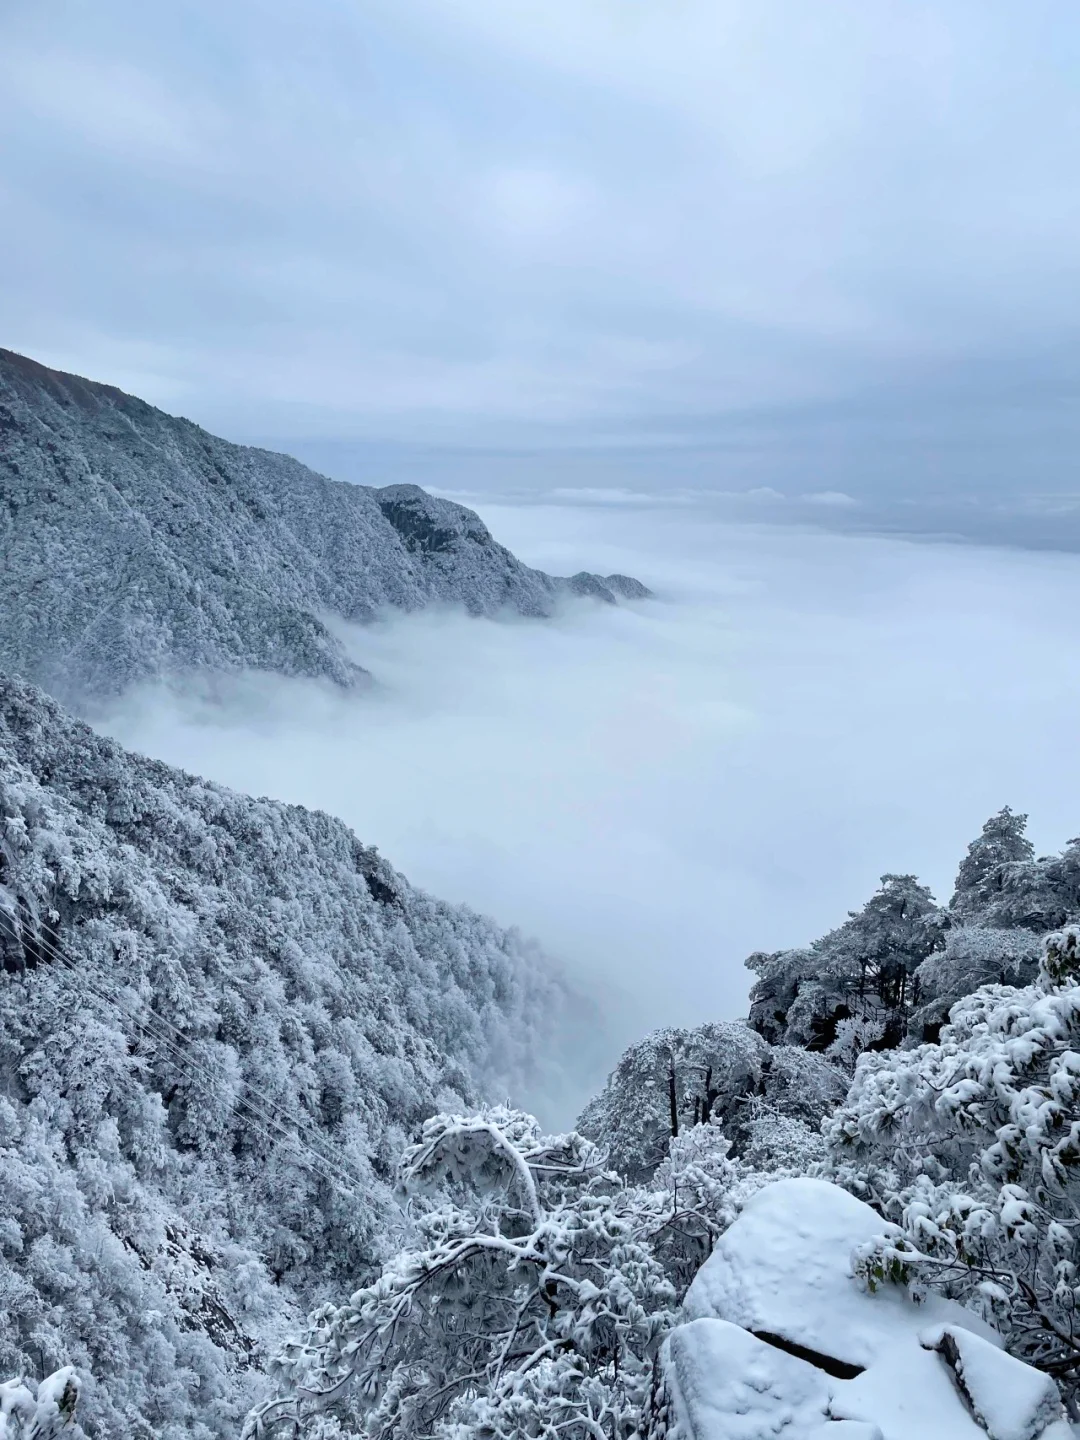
219, 1019
134, 544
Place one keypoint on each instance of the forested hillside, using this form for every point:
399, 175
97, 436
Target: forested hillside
133, 544
220, 1020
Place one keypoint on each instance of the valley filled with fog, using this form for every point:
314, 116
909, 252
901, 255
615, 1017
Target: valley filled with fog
653, 791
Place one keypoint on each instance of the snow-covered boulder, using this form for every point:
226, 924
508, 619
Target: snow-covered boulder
907, 1394
1011, 1400
783, 1270
782, 1340
725, 1384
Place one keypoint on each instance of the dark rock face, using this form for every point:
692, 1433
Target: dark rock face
133, 544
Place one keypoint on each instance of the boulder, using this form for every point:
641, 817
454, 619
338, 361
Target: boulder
782, 1341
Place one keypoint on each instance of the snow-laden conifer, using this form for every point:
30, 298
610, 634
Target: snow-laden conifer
971, 1146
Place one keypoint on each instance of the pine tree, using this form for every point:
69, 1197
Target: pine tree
982, 872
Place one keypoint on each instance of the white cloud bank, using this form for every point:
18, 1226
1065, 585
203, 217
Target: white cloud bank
655, 791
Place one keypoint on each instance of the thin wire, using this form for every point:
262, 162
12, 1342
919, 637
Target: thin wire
257, 1112
169, 1038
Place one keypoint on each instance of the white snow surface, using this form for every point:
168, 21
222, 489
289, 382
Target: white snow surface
726, 1383
783, 1270
909, 1395
1014, 1401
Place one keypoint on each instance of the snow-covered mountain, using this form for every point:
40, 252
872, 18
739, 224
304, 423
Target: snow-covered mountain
134, 544
220, 1018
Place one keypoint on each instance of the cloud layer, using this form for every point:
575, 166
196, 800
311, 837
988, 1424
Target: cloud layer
657, 790
590, 219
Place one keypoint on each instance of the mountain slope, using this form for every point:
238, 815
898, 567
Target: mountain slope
133, 544
219, 1017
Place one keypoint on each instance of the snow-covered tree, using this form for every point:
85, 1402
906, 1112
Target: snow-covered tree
980, 879
668, 1082
863, 970
675, 1079
45, 1412
971, 1146
781, 975
532, 1304
1001, 885
972, 956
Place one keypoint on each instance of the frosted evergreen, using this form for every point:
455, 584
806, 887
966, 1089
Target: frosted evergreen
721, 1072
895, 968
134, 544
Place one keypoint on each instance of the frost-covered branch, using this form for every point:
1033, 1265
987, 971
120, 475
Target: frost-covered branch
45, 1413
555, 1310
972, 1147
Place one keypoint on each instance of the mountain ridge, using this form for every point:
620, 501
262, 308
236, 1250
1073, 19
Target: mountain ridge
135, 545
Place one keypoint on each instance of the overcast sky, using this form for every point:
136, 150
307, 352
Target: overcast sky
832, 245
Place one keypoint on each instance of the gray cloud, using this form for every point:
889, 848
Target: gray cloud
822, 239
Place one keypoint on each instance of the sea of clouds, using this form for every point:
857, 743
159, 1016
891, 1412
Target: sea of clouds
656, 790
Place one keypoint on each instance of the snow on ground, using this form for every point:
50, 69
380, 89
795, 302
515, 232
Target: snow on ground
777, 1324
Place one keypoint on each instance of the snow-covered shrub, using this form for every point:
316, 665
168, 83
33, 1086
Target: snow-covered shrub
971, 1146
532, 1305
853, 1035
44, 1413
776, 1143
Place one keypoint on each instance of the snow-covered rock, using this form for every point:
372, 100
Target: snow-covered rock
727, 1385
908, 1394
784, 1269
781, 1340
1009, 1399
134, 544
